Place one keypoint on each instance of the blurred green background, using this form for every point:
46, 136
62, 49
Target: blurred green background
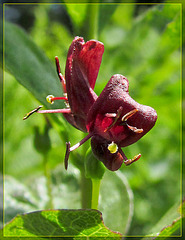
143, 43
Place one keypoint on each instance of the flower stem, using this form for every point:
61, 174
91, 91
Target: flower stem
86, 191
95, 193
93, 34
93, 20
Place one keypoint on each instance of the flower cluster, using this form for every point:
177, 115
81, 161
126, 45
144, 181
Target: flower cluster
113, 120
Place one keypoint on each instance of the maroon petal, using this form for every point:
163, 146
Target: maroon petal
112, 161
70, 118
144, 119
114, 97
82, 66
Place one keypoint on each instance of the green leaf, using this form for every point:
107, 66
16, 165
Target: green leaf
124, 10
31, 68
17, 198
174, 229
60, 223
170, 224
170, 230
116, 201
167, 219
33, 195
105, 13
114, 191
29, 65
77, 12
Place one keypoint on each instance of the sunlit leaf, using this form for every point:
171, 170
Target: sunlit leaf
171, 230
58, 223
114, 191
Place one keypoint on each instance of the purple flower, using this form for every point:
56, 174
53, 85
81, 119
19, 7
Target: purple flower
113, 120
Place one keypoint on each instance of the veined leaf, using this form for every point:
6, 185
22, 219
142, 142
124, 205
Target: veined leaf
116, 198
60, 223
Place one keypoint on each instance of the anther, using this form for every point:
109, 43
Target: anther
130, 161
116, 115
113, 147
129, 114
135, 129
67, 154
30, 113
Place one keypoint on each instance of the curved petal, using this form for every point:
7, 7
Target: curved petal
82, 66
144, 119
105, 117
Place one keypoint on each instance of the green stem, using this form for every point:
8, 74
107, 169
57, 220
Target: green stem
95, 193
48, 182
93, 21
86, 191
87, 196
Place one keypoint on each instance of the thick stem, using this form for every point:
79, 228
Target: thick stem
86, 191
48, 182
95, 193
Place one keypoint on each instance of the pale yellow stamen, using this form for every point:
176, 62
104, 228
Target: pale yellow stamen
49, 99
113, 147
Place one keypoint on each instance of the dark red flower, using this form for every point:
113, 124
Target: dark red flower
113, 120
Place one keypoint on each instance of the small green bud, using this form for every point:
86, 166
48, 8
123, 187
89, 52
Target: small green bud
94, 169
42, 141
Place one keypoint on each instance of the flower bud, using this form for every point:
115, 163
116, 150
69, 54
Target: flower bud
94, 169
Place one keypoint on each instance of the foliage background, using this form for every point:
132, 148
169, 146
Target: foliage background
141, 42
